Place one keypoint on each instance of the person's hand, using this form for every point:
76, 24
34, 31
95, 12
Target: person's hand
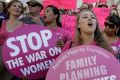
60, 43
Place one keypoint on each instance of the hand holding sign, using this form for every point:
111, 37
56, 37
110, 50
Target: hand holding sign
30, 51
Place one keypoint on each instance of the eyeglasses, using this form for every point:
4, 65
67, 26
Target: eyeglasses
110, 25
32, 5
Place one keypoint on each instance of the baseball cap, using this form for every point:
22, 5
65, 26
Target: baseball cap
35, 3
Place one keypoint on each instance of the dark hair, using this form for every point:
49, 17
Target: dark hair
4, 6
114, 19
56, 12
10, 3
100, 6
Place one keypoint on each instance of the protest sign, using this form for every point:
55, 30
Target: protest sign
101, 14
51, 2
30, 51
69, 23
103, 1
89, 1
85, 62
68, 4
61, 4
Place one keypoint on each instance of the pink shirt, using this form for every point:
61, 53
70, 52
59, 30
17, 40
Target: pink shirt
68, 45
116, 46
4, 33
63, 34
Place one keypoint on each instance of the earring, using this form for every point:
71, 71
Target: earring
78, 27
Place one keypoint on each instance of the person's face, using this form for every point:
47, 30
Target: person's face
1, 6
110, 28
113, 12
87, 22
49, 16
15, 9
33, 8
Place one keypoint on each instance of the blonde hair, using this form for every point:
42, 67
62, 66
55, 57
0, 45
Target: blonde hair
98, 37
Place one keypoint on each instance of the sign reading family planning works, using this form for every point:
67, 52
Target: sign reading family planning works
85, 63
30, 51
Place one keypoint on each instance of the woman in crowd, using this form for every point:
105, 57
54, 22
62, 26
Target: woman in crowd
112, 25
14, 10
87, 32
51, 18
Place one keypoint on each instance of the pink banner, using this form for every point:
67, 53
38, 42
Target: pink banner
30, 51
89, 1
68, 4
102, 14
85, 62
68, 23
51, 2
105, 1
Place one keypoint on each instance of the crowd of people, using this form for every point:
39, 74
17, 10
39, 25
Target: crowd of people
12, 17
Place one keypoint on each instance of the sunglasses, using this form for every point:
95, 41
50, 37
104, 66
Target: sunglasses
100, 6
32, 5
110, 25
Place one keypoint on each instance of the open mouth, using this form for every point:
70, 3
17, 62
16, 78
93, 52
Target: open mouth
90, 24
44, 17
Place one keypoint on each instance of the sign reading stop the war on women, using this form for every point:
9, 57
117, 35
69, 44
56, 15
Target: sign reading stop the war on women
30, 51
85, 62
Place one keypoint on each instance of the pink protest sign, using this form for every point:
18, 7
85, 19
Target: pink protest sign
89, 1
68, 4
69, 23
30, 51
85, 62
51, 2
101, 14
105, 1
